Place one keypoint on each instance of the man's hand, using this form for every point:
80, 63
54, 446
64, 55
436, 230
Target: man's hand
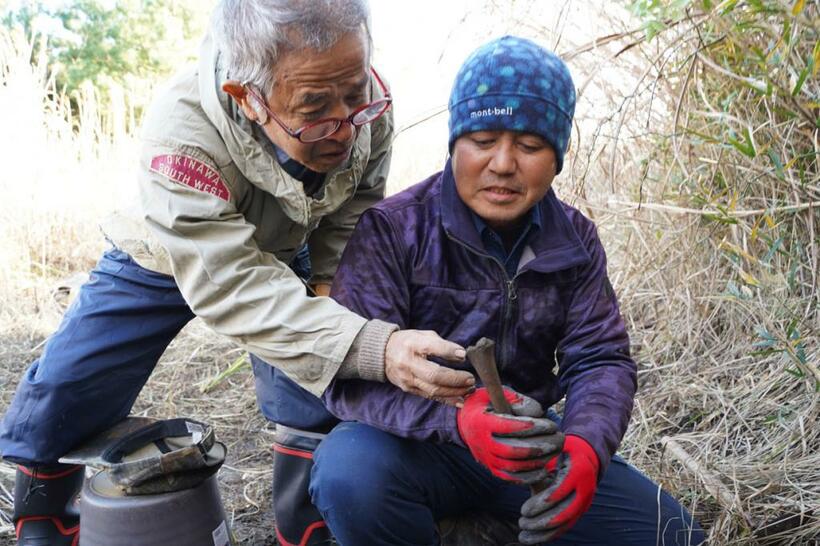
407, 367
553, 511
513, 447
321, 289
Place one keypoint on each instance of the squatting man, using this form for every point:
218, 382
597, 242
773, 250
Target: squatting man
484, 248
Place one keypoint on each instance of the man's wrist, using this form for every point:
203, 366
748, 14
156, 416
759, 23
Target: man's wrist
365, 359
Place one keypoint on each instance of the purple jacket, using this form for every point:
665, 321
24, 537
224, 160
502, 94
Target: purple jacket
416, 259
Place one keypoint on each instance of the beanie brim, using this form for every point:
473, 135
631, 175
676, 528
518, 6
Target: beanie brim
519, 113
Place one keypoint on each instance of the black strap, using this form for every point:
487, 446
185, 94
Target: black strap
156, 433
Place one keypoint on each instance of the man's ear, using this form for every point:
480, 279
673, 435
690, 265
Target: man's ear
249, 105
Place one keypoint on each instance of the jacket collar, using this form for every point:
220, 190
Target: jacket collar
556, 244
262, 168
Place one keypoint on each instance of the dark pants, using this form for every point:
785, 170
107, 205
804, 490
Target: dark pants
375, 488
94, 366
286, 403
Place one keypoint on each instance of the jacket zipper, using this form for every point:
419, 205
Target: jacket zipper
506, 322
510, 296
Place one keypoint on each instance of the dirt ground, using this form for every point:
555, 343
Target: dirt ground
174, 390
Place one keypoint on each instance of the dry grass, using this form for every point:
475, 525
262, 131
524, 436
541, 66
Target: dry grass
713, 249
705, 185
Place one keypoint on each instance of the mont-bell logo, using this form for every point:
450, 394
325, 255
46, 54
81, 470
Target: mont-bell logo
495, 111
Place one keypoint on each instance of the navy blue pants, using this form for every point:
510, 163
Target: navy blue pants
95, 364
377, 489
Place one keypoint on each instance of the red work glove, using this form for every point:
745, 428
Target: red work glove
514, 447
552, 512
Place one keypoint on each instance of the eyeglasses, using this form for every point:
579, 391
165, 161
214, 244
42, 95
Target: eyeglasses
327, 127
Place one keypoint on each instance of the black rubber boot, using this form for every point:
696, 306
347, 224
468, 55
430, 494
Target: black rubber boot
297, 521
47, 505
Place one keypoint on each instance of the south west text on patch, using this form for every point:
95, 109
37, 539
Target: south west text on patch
186, 170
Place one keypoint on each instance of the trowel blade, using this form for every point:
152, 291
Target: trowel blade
90, 453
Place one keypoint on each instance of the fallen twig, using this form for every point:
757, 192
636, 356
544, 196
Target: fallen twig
712, 212
711, 482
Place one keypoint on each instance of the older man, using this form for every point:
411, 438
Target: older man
277, 141
485, 249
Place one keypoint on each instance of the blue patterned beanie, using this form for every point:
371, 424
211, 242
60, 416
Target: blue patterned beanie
516, 85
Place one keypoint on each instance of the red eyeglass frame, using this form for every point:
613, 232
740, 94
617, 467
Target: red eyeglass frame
386, 100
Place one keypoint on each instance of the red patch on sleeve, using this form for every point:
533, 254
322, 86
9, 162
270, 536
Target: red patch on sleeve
191, 172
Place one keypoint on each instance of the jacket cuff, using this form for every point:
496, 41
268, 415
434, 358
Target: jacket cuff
454, 431
365, 359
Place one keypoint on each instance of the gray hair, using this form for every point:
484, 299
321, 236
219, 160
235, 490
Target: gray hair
252, 34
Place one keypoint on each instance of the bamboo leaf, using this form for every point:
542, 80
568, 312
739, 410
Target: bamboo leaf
773, 248
728, 6
747, 148
765, 352
764, 348
708, 139
791, 162
726, 220
798, 373
755, 229
734, 249
749, 279
778, 165
787, 28
802, 78
763, 333
653, 28
792, 277
236, 366
791, 330
733, 290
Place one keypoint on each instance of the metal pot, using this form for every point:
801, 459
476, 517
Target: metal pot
191, 517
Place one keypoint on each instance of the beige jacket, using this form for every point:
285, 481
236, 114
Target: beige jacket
219, 213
